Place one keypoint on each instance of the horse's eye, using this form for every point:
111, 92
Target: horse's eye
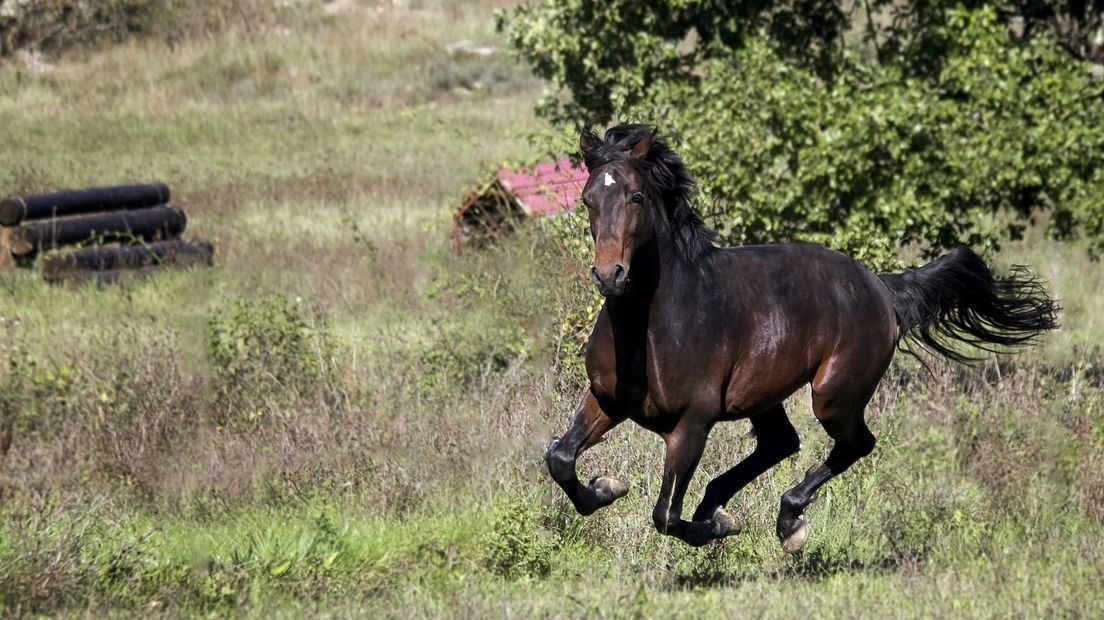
638, 198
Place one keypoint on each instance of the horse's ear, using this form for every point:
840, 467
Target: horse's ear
588, 142
640, 151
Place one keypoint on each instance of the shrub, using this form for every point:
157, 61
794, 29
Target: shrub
795, 136
266, 346
516, 545
873, 160
462, 353
55, 25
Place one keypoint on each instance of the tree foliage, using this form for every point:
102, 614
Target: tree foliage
942, 126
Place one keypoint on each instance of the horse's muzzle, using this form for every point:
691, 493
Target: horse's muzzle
611, 283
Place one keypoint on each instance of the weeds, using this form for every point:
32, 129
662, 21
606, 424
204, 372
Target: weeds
517, 546
261, 346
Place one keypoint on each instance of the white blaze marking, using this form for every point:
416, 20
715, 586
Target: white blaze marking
609, 180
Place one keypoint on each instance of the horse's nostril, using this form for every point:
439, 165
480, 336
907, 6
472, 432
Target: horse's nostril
613, 279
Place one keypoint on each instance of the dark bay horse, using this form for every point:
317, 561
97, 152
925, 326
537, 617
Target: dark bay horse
691, 335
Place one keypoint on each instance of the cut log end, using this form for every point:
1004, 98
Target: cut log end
21, 241
12, 211
6, 260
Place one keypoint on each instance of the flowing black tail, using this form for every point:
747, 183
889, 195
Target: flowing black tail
956, 298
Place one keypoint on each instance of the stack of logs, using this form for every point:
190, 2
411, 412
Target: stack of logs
124, 230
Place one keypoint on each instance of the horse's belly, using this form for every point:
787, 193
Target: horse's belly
757, 386
680, 385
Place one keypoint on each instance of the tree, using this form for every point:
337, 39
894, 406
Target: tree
802, 122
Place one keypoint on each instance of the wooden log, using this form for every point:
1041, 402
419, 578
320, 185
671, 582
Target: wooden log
175, 252
15, 210
109, 276
6, 261
152, 224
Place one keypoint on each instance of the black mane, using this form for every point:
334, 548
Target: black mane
667, 175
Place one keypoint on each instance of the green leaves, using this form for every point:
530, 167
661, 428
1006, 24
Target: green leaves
963, 133
264, 347
609, 54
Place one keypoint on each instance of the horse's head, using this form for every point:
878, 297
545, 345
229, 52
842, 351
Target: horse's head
617, 199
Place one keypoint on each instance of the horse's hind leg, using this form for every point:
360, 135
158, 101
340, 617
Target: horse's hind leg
587, 429
843, 421
775, 439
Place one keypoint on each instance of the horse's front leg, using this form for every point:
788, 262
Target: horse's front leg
684, 449
590, 423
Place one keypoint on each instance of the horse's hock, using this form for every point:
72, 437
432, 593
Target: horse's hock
120, 232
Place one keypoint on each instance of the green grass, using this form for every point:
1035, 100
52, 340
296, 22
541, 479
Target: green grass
920, 528
344, 418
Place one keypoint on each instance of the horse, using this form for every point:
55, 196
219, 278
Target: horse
691, 334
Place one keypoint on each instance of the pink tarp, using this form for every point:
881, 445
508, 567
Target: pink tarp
546, 188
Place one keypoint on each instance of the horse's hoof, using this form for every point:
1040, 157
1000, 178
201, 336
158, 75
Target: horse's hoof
615, 488
796, 541
725, 524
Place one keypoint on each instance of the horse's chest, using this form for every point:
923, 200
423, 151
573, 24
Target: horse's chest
643, 384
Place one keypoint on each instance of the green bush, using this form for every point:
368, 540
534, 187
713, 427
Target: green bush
516, 545
258, 346
31, 389
873, 159
797, 138
462, 353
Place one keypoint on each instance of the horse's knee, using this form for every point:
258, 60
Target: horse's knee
560, 462
793, 503
860, 444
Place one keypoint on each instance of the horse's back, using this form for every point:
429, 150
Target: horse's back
806, 275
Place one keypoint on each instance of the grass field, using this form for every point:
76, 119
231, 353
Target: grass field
344, 418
